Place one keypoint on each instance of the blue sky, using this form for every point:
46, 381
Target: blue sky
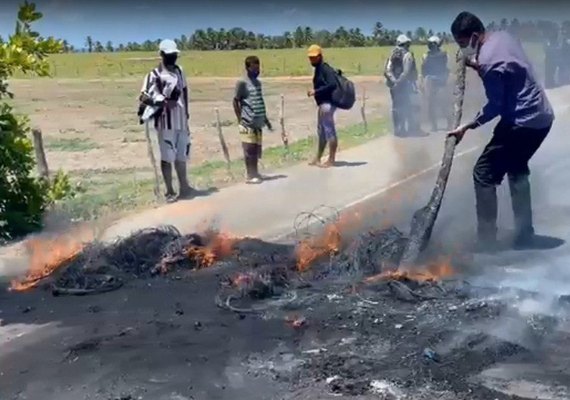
123, 21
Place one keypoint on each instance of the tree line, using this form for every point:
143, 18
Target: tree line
238, 38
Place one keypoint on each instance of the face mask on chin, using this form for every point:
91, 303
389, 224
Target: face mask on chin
470, 51
253, 74
169, 60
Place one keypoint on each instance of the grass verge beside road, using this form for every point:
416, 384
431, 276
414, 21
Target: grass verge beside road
120, 192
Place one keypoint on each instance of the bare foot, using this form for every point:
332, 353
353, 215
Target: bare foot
327, 164
315, 162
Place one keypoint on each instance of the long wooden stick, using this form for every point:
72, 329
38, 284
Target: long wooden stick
152, 160
363, 110
41, 160
223, 141
424, 218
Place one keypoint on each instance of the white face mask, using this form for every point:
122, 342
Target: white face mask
470, 50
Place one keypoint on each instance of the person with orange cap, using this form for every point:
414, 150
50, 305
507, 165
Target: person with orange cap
324, 83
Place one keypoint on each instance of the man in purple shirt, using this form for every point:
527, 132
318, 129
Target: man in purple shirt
526, 116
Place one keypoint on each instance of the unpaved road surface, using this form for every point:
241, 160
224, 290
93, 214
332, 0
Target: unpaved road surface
504, 333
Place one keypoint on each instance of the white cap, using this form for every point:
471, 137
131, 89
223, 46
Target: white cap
434, 39
402, 39
168, 46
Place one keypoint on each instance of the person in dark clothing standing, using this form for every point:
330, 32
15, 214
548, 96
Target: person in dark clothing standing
434, 81
324, 83
564, 63
401, 76
249, 107
552, 52
526, 118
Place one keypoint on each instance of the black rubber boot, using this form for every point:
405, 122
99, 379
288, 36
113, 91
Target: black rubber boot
487, 210
522, 210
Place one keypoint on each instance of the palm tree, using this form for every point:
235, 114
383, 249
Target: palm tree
324, 38
183, 42
198, 39
356, 38
222, 39
212, 38
420, 35
89, 44
378, 32
299, 37
308, 35
288, 39
99, 47
341, 37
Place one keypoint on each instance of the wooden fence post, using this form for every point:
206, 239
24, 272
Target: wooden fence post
284, 137
363, 110
41, 160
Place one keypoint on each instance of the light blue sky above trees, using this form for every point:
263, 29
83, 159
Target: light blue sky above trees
125, 21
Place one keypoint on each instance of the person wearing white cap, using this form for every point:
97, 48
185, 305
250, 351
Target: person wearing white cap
435, 74
401, 75
165, 93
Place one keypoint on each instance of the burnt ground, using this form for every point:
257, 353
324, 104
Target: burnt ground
495, 329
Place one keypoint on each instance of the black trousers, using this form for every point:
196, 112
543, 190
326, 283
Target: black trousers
404, 113
508, 153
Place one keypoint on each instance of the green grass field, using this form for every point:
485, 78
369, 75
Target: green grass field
286, 62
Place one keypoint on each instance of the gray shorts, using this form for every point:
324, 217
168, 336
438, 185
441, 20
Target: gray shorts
325, 121
174, 145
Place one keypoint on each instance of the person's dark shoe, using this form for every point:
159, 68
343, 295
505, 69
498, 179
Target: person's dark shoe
187, 193
525, 242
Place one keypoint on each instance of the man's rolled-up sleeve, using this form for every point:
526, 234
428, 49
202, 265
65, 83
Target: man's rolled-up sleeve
494, 83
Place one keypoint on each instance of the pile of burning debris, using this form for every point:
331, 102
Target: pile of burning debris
261, 269
89, 268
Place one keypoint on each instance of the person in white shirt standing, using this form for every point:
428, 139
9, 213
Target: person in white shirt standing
166, 91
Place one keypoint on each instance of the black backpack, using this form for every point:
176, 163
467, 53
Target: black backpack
344, 95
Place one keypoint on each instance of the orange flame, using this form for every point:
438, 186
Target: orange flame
329, 243
242, 280
296, 321
220, 245
47, 254
433, 272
